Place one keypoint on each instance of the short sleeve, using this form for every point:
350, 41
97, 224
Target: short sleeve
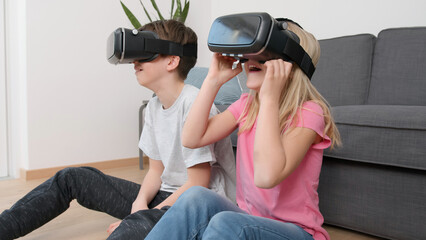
237, 107
312, 117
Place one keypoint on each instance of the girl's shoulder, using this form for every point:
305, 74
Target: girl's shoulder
311, 115
313, 106
244, 97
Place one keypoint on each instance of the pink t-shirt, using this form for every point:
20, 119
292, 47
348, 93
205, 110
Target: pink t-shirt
295, 199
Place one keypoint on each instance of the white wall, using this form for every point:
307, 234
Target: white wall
16, 85
3, 117
68, 105
331, 18
80, 108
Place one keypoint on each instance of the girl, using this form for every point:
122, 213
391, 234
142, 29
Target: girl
284, 125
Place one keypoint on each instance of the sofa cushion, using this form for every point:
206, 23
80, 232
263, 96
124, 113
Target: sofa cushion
388, 135
384, 201
344, 69
399, 72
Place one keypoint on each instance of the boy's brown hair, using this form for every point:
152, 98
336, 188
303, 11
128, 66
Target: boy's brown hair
175, 31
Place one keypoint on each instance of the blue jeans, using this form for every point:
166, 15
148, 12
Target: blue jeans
202, 214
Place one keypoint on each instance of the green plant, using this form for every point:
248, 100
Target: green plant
179, 14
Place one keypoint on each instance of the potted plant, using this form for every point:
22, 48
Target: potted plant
179, 13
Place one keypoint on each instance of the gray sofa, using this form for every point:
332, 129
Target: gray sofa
376, 182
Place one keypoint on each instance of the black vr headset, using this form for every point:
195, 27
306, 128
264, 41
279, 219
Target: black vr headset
259, 37
126, 46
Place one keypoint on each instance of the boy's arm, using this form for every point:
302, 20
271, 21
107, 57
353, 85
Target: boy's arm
198, 175
150, 185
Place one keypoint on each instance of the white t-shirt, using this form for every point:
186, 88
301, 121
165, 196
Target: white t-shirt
161, 140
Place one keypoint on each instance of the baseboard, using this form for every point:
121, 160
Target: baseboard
48, 172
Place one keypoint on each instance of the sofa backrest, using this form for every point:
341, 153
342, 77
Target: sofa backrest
399, 68
344, 69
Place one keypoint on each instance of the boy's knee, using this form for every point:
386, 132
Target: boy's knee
77, 171
74, 175
67, 172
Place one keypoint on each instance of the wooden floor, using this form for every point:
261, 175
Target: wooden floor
80, 223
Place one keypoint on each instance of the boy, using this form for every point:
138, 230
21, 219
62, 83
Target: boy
173, 168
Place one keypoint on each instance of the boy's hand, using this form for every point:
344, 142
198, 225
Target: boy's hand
138, 205
277, 74
221, 68
112, 227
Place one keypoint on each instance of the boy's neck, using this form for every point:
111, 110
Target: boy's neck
169, 93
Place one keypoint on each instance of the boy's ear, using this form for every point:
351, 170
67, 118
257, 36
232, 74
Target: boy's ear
173, 62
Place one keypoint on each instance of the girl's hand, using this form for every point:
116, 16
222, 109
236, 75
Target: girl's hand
277, 73
221, 68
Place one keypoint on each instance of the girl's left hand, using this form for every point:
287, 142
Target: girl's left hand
277, 73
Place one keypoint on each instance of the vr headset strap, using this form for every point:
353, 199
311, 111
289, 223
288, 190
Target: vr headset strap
170, 48
300, 57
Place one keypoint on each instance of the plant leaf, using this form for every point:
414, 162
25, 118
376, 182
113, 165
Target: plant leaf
130, 16
185, 11
154, 4
177, 14
146, 12
179, 5
171, 9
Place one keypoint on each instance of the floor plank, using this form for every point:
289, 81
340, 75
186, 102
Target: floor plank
79, 223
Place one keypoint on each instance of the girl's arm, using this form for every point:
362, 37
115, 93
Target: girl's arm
199, 130
276, 155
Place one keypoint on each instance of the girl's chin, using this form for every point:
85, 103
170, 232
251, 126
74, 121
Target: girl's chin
252, 86
254, 82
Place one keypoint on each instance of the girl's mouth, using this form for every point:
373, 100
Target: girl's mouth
254, 68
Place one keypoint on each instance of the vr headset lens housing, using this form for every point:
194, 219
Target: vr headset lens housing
259, 37
127, 46
237, 33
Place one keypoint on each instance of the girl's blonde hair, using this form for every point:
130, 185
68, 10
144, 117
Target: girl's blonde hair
297, 90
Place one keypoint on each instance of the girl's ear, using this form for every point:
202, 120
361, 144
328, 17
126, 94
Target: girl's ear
173, 62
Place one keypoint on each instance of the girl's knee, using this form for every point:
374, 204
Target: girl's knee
225, 218
224, 225
195, 193
194, 198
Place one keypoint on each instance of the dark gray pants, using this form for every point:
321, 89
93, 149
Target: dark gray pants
92, 189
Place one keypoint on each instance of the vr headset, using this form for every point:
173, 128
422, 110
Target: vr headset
259, 37
127, 46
